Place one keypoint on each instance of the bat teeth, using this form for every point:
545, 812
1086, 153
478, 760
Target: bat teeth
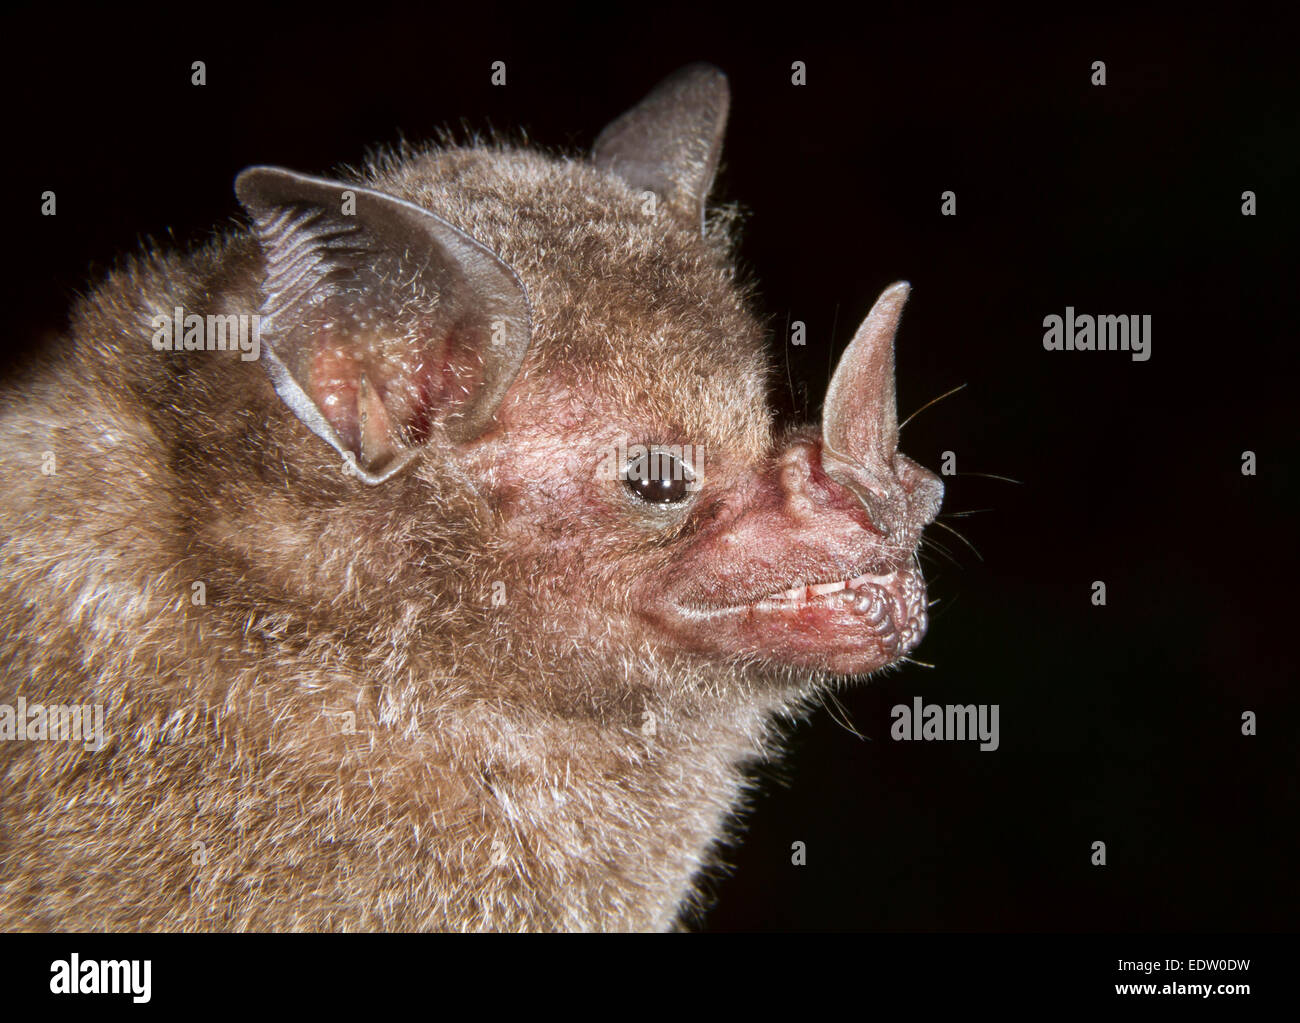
802, 593
869, 579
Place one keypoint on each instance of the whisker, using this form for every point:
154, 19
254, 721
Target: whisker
832, 704
830, 349
991, 476
785, 348
947, 607
932, 401
959, 537
929, 541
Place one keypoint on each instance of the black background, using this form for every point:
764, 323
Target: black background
1119, 724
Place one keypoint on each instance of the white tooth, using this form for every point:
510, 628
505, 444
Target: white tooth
826, 588
875, 580
785, 606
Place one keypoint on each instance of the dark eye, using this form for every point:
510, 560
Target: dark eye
659, 477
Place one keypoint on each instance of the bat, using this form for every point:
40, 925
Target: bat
425, 554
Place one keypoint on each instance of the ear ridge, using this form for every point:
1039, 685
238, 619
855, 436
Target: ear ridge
671, 142
381, 318
302, 243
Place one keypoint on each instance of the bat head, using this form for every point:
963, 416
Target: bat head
565, 341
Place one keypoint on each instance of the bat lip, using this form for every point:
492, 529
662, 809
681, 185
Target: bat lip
841, 588
830, 583
854, 624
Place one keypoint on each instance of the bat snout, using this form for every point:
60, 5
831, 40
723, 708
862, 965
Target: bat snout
816, 568
894, 501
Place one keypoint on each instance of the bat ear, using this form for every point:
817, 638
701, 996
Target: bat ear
380, 321
670, 142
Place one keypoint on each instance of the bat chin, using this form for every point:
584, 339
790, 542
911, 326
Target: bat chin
850, 626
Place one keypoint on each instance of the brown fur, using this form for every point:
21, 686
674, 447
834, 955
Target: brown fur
501, 774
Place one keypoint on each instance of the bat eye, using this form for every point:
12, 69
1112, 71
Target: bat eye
659, 477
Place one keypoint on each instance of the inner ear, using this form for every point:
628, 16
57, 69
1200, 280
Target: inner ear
381, 323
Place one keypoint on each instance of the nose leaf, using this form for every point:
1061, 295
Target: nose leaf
860, 419
860, 422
